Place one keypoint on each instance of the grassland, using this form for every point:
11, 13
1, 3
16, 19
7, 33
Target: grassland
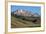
19, 23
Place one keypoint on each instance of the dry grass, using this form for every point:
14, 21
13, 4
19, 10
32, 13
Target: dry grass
19, 23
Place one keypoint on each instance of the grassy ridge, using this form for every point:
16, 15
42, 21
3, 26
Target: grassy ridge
19, 23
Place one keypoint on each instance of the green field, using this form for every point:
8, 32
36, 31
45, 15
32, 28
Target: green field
19, 23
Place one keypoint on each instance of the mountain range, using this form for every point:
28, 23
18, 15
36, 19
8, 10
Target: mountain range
22, 12
27, 16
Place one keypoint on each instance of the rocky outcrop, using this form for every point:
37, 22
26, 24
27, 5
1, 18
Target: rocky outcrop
23, 13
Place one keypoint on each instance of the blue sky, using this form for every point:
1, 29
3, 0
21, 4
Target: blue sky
34, 9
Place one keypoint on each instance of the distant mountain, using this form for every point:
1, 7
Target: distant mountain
25, 13
36, 15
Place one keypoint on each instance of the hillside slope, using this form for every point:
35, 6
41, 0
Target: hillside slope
19, 23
